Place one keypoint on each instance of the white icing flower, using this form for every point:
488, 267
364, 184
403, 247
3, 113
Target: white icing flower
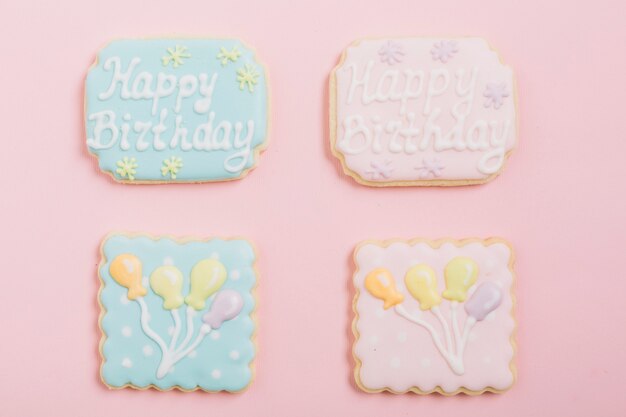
391, 53
495, 94
444, 50
431, 168
380, 170
247, 77
175, 56
126, 168
171, 166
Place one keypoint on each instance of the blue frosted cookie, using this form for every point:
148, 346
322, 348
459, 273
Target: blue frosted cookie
176, 110
177, 313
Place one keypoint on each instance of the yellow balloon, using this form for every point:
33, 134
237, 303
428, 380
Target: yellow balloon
207, 276
167, 282
421, 281
380, 284
461, 273
126, 271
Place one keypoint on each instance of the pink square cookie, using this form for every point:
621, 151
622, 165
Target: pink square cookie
434, 316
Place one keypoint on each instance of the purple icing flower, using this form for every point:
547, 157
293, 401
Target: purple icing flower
391, 53
380, 170
430, 168
495, 94
444, 50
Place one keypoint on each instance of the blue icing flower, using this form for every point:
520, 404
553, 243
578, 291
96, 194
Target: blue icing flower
150, 342
176, 110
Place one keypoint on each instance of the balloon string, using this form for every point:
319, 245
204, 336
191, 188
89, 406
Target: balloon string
455, 327
469, 323
204, 330
401, 311
446, 329
145, 317
190, 315
176, 318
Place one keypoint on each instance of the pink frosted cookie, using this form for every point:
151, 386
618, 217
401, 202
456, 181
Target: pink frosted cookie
434, 316
422, 111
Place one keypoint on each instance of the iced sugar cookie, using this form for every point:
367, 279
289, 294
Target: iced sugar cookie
422, 111
176, 110
434, 316
177, 313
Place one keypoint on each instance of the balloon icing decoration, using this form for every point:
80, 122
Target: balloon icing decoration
380, 284
207, 277
226, 306
167, 282
485, 299
126, 271
421, 281
461, 273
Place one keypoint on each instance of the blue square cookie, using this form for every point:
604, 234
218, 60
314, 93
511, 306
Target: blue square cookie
177, 313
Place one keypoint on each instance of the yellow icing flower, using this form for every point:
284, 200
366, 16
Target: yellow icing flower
126, 168
225, 55
175, 56
171, 166
247, 77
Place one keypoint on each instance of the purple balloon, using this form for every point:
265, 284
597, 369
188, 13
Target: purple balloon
485, 299
226, 305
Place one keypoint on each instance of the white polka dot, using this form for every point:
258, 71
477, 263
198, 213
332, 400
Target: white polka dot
216, 374
168, 260
192, 354
425, 362
395, 363
215, 255
490, 263
170, 330
235, 274
147, 350
234, 355
172, 369
145, 281
473, 337
215, 335
127, 331
124, 299
401, 337
127, 363
491, 316
374, 340
487, 359
380, 313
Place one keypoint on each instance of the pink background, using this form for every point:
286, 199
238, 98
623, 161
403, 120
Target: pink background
560, 201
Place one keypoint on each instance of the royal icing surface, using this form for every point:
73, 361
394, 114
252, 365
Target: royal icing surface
177, 313
176, 110
422, 111
434, 316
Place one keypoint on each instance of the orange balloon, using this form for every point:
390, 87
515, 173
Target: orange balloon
126, 271
380, 284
